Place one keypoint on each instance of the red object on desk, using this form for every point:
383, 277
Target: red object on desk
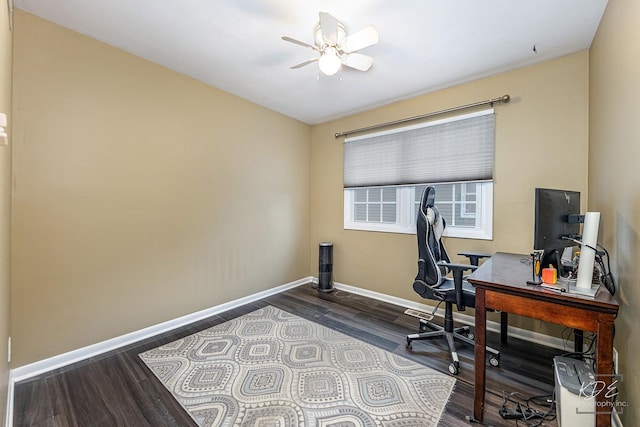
549, 275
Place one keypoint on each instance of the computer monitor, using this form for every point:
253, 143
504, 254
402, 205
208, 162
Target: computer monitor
557, 214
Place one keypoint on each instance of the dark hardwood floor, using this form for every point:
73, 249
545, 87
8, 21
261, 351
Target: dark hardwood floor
117, 389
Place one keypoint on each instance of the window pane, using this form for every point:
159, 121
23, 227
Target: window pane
374, 194
444, 193
418, 193
469, 209
470, 188
374, 213
389, 213
389, 194
465, 222
360, 195
445, 210
360, 213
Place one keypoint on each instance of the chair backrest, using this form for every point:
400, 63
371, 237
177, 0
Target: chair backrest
429, 228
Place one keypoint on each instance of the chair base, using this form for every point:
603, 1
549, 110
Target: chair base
460, 334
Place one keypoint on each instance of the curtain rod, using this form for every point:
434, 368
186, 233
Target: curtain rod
501, 100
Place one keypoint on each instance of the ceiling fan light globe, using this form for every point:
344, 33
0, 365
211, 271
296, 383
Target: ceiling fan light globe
329, 62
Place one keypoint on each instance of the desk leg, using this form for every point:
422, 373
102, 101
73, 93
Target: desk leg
578, 340
480, 354
504, 325
604, 369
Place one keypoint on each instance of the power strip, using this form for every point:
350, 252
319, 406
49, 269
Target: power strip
516, 414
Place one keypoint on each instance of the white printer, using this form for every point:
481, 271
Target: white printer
575, 381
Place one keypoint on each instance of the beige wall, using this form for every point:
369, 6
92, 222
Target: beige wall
541, 141
141, 195
5, 205
614, 183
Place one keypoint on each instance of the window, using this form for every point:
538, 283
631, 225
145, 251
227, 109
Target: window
466, 207
454, 154
377, 205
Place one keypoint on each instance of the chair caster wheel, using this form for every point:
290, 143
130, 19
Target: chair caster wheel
494, 361
454, 368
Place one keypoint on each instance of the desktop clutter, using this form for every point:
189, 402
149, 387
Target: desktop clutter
548, 277
563, 260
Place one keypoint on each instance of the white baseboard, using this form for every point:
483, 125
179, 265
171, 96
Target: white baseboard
33, 369
28, 371
465, 319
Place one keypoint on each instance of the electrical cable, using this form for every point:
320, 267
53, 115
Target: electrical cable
607, 277
586, 355
565, 339
605, 271
522, 409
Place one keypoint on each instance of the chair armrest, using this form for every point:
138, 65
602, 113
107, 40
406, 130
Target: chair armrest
458, 267
474, 257
457, 270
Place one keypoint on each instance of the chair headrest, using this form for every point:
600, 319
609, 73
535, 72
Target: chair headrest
430, 211
428, 197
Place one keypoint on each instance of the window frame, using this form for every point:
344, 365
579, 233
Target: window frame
406, 220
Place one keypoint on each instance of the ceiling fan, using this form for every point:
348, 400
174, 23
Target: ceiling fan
336, 48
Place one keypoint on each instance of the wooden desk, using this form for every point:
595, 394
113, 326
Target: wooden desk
501, 284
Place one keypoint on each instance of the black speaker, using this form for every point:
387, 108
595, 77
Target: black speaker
325, 273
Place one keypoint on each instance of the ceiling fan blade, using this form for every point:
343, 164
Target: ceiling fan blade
359, 40
358, 61
329, 28
298, 42
302, 64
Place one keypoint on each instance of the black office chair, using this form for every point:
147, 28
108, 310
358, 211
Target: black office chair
432, 281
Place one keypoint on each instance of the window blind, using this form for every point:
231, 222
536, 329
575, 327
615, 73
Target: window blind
448, 150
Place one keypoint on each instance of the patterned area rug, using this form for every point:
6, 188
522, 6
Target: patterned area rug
270, 368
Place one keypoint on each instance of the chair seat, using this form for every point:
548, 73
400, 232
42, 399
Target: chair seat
448, 291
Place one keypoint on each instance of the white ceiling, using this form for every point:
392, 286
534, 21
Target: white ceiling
425, 45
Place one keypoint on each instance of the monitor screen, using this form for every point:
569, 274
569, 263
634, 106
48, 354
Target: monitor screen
553, 208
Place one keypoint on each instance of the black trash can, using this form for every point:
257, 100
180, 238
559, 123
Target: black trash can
325, 273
